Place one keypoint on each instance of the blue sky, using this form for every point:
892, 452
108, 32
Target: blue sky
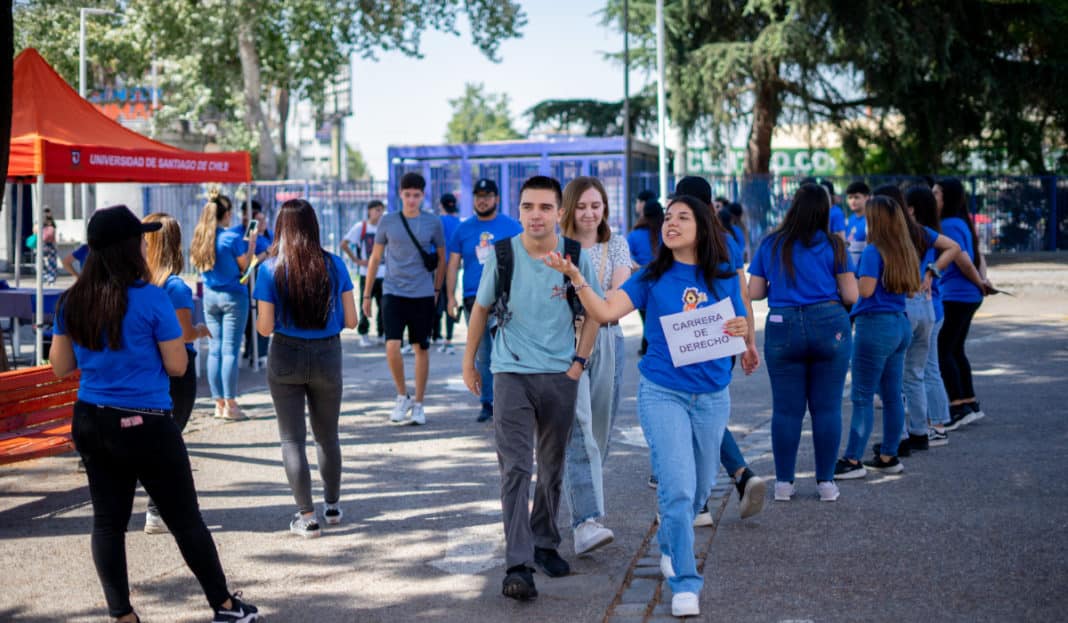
404, 101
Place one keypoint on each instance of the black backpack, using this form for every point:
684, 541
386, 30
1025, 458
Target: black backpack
506, 267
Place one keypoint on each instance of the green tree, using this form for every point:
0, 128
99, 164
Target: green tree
357, 166
478, 116
233, 64
593, 117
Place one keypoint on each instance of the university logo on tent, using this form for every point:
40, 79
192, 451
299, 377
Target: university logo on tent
75, 157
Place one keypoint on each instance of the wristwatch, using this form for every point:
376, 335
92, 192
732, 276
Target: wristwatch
934, 270
582, 361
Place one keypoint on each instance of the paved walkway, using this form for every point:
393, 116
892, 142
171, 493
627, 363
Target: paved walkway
972, 531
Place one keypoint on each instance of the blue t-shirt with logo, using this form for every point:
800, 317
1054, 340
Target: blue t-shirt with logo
474, 239
132, 376
815, 272
856, 236
955, 286
181, 295
641, 248
881, 301
225, 275
681, 288
340, 281
837, 223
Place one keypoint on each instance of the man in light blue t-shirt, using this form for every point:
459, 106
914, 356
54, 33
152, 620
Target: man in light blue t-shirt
471, 245
536, 369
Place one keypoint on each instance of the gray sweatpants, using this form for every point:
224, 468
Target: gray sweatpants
300, 371
528, 407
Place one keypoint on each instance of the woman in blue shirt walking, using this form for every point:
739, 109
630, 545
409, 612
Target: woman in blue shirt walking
304, 297
222, 255
807, 276
683, 409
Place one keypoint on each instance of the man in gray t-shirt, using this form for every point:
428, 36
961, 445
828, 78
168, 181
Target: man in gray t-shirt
408, 290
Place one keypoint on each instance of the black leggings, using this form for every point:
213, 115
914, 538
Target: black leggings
952, 361
120, 447
183, 395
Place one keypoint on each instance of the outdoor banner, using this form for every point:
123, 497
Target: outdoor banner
91, 163
696, 336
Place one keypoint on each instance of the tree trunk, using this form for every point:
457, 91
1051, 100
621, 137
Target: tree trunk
766, 109
267, 161
283, 120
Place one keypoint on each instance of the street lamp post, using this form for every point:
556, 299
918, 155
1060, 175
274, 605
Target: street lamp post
83, 12
661, 108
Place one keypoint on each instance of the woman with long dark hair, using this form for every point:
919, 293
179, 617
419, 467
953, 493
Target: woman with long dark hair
807, 276
163, 252
304, 297
962, 294
889, 270
683, 409
222, 255
123, 334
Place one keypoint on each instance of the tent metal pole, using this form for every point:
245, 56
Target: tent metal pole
18, 233
252, 280
38, 312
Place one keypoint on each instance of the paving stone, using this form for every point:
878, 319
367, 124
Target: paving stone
647, 572
627, 619
640, 590
630, 609
649, 561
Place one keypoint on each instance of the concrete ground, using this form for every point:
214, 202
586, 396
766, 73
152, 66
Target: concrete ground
972, 531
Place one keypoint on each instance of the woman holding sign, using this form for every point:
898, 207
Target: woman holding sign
694, 323
889, 270
807, 276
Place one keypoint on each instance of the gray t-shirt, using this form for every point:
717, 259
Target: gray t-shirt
405, 273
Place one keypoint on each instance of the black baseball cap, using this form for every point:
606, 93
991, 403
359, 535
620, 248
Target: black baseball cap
485, 185
448, 201
695, 187
112, 225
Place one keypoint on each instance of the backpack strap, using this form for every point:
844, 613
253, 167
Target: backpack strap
573, 249
505, 267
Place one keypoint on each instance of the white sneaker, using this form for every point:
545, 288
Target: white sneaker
365, 342
418, 414
154, 524
306, 527
784, 491
400, 409
380, 340
590, 535
332, 514
407, 350
828, 491
666, 568
685, 605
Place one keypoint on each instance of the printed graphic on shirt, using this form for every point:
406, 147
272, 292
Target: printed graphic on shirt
692, 298
485, 246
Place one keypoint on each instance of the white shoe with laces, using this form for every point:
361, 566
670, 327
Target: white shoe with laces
332, 514
685, 605
590, 535
666, 568
305, 526
828, 491
400, 409
365, 342
418, 414
784, 491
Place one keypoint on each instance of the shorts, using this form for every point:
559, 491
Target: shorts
415, 314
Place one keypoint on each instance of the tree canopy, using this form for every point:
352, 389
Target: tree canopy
478, 116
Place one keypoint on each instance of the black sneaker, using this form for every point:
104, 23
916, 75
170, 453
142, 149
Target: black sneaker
847, 470
519, 583
903, 448
960, 416
893, 466
652, 482
238, 612
486, 414
917, 443
751, 493
977, 411
551, 563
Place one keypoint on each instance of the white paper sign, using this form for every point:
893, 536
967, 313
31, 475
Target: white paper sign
697, 335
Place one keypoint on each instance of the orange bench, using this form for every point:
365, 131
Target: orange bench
35, 413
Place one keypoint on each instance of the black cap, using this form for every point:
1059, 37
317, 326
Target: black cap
448, 201
695, 187
485, 185
646, 195
115, 224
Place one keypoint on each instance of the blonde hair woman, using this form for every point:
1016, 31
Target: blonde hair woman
222, 256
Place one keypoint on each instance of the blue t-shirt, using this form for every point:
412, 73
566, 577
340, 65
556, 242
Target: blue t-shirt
955, 286
837, 223
474, 239
181, 295
267, 292
449, 223
856, 236
81, 253
815, 272
641, 249
133, 376
881, 301
677, 288
736, 252
540, 336
936, 284
263, 240
225, 276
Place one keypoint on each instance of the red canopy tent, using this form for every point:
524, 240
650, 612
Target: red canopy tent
58, 137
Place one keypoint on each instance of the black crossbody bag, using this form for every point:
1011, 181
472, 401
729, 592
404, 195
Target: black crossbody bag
430, 260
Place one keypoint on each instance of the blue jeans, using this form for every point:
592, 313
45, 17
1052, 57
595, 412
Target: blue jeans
879, 346
937, 400
584, 473
482, 357
807, 352
225, 314
683, 431
921, 320
617, 383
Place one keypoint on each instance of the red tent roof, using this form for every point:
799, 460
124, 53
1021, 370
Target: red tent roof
58, 134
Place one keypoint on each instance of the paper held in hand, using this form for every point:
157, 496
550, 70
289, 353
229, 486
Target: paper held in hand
696, 336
